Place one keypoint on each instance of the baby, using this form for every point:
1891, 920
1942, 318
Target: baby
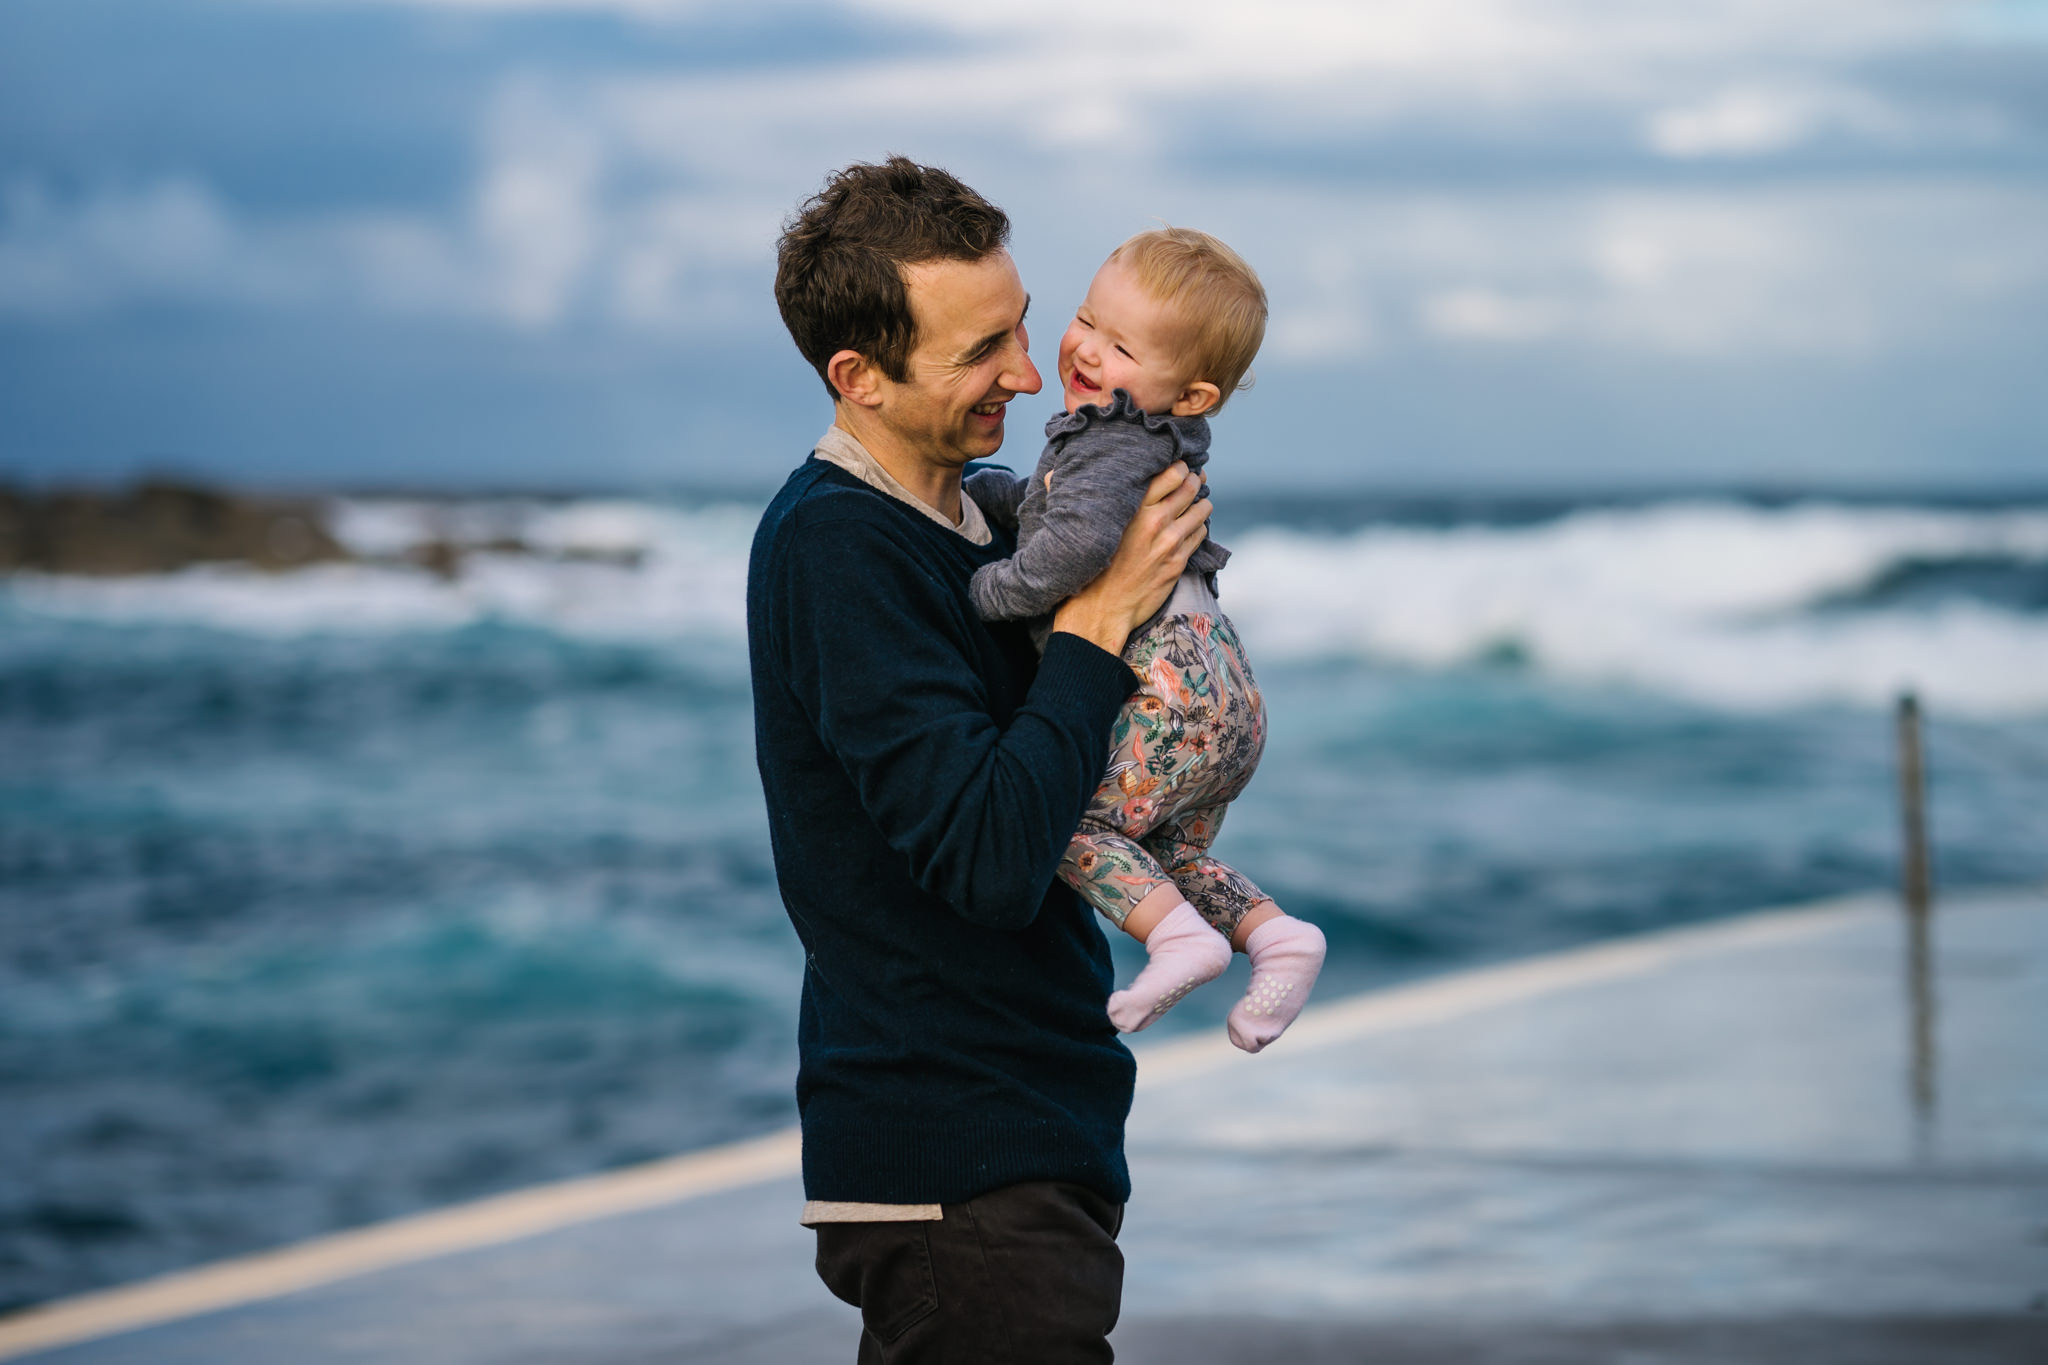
1167, 332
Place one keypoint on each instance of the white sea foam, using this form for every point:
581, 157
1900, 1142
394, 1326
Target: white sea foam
1716, 602
611, 569
323, 599
1709, 601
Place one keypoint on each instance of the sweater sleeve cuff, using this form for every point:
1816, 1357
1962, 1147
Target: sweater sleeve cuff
1080, 673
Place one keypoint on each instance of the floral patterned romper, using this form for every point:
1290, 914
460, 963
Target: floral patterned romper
1182, 750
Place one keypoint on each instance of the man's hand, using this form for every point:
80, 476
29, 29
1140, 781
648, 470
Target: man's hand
1165, 531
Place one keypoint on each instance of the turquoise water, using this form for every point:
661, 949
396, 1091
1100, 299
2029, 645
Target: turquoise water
328, 897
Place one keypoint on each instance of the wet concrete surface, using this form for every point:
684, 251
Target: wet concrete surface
1698, 1147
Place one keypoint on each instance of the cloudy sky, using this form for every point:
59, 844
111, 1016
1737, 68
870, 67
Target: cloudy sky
1510, 243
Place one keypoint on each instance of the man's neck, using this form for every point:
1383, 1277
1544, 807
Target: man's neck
937, 486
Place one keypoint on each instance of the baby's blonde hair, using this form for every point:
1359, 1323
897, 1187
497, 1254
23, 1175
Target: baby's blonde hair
1215, 292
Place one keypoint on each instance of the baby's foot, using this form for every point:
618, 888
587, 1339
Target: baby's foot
1182, 952
1287, 955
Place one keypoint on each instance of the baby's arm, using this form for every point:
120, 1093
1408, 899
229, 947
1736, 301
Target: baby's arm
1097, 483
998, 493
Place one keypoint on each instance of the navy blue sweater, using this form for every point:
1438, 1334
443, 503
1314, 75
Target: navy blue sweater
925, 771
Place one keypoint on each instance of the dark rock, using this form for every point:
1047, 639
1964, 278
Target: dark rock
441, 557
158, 526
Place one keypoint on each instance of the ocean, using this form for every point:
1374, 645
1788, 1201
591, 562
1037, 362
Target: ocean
333, 895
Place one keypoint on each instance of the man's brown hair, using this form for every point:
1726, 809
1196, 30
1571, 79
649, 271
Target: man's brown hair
839, 264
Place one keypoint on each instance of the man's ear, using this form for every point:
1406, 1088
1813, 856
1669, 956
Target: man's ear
1196, 399
854, 377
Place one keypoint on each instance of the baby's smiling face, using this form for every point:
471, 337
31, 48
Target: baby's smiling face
1123, 338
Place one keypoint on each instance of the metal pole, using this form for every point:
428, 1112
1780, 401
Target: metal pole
1916, 889
1913, 808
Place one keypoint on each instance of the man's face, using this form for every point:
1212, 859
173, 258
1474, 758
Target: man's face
971, 360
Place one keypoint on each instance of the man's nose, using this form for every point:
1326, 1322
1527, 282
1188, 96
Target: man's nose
1019, 374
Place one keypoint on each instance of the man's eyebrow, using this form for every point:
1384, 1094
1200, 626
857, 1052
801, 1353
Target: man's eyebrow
994, 339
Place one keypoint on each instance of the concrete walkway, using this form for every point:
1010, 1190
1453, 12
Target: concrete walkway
1712, 1144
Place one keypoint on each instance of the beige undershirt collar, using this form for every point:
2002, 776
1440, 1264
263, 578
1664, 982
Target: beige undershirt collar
838, 447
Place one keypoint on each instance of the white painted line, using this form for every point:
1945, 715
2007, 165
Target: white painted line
545, 1208
466, 1227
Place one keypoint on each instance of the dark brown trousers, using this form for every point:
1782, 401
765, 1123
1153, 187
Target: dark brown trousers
1029, 1274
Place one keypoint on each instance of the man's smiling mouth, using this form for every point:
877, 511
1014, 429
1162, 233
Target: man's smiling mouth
987, 409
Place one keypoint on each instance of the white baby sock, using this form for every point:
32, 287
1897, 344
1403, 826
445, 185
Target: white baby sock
1287, 955
1182, 952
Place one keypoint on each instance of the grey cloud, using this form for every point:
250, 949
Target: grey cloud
1432, 187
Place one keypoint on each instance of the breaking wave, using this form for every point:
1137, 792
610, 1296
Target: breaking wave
1721, 603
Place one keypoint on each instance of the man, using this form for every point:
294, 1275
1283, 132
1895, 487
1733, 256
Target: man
962, 1090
